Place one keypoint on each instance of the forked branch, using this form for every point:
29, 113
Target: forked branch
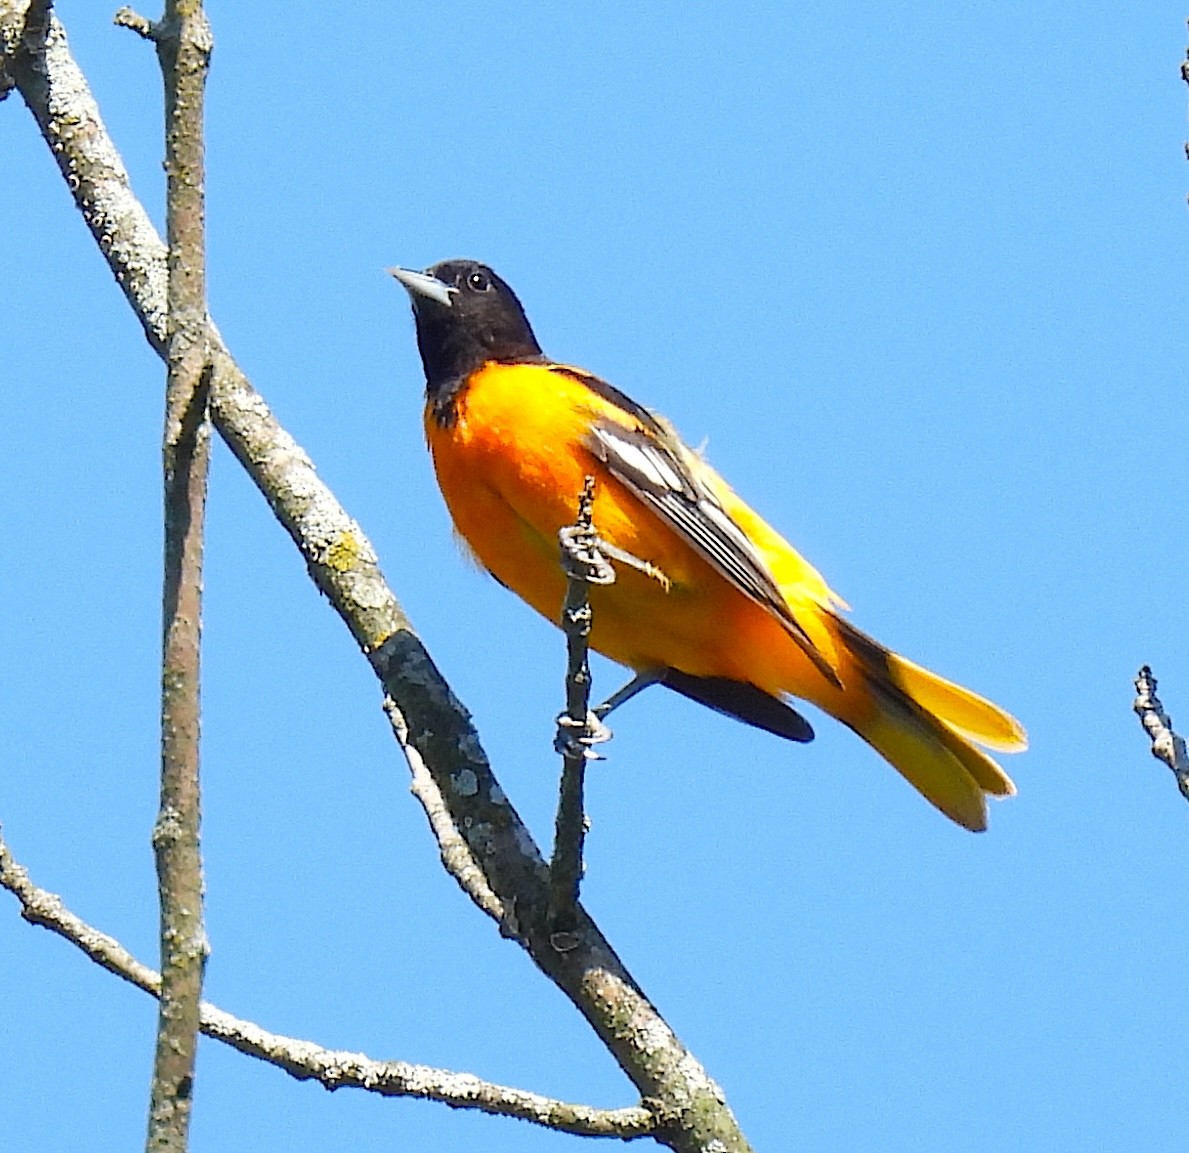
334, 1069
690, 1109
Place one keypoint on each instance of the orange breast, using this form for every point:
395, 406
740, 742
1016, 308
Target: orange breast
511, 468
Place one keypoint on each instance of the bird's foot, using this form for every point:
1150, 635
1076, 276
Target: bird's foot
578, 738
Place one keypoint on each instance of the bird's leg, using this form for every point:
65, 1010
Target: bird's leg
584, 564
637, 684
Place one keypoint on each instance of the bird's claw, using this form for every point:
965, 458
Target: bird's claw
577, 738
580, 555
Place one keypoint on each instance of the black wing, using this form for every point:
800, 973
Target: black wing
649, 461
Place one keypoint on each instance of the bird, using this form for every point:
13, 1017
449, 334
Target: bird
708, 599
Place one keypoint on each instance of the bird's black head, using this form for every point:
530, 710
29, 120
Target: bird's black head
466, 315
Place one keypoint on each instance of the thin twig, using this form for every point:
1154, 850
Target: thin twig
1166, 745
578, 729
144, 28
457, 857
306, 1061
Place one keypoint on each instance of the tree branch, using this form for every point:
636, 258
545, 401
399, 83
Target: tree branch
692, 1109
578, 729
1166, 745
305, 1061
457, 858
183, 43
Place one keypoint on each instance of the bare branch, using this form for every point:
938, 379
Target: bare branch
457, 858
306, 1061
1166, 745
578, 729
183, 50
184, 946
692, 1108
37, 59
183, 42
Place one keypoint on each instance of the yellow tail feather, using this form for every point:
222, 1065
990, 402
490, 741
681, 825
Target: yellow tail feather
924, 725
916, 746
966, 712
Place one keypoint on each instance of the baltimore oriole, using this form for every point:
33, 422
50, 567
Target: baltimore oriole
712, 601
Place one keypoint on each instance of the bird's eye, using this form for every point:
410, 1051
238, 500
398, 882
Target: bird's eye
478, 281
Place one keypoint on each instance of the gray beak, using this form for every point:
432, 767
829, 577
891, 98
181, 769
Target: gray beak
422, 284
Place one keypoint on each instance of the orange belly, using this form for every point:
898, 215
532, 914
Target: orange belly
511, 468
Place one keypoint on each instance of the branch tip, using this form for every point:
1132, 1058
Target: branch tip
144, 27
1167, 746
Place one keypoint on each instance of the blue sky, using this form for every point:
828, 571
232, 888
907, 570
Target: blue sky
916, 272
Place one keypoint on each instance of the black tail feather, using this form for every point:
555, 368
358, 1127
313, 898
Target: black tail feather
742, 701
